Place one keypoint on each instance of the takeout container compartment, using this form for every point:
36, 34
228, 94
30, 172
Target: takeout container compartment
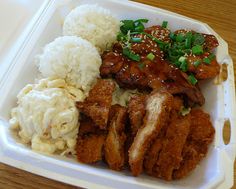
214, 171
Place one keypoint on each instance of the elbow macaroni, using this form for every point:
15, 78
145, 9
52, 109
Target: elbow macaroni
46, 115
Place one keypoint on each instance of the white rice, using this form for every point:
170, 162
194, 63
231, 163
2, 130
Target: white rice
94, 23
73, 59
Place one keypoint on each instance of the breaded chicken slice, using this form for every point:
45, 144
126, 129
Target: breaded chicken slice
98, 103
136, 110
201, 135
90, 142
171, 152
114, 144
153, 152
158, 106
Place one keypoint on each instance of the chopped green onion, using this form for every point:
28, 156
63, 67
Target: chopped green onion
180, 37
212, 56
153, 38
141, 20
139, 27
197, 63
207, 60
151, 56
192, 79
184, 65
127, 52
172, 36
185, 111
164, 24
188, 40
198, 39
121, 36
127, 25
136, 39
197, 49
141, 65
182, 59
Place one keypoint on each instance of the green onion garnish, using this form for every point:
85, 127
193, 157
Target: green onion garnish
139, 27
153, 38
185, 111
192, 79
180, 37
151, 56
136, 39
164, 24
207, 60
127, 25
197, 49
198, 39
172, 36
127, 52
141, 20
212, 56
183, 64
188, 40
141, 65
197, 63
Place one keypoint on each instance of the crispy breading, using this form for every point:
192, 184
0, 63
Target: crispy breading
152, 154
87, 126
200, 136
114, 144
136, 110
89, 148
171, 152
98, 103
90, 141
158, 106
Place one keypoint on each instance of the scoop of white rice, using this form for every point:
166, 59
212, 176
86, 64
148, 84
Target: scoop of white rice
73, 59
94, 23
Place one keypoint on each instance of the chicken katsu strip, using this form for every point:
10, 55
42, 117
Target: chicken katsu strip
152, 154
158, 106
98, 103
200, 136
114, 144
136, 110
87, 126
90, 141
89, 148
171, 152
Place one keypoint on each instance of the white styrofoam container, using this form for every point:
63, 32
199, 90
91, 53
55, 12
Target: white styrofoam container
215, 171
17, 18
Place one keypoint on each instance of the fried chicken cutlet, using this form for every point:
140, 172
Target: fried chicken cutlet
152, 154
98, 103
171, 153
158, 105
196, 147
114, 144
90, 142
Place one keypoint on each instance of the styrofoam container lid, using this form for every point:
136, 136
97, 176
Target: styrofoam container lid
17, 18
214, 171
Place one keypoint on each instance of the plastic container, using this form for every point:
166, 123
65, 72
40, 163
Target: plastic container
215, 171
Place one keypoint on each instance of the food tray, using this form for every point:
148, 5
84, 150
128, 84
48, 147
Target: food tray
215, 171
